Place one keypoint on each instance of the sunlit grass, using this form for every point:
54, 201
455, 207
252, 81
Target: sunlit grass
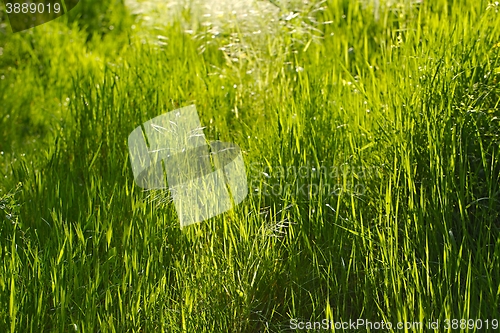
371, 146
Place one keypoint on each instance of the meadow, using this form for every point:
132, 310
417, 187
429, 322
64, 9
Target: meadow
370, 133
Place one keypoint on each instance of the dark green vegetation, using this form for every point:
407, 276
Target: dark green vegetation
399, 117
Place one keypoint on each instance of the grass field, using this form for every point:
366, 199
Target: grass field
371, 143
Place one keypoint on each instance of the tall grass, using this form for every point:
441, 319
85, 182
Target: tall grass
371, 146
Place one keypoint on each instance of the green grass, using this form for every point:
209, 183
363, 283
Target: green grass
398, 221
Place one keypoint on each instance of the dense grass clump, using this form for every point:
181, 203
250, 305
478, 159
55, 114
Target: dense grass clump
370, 133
